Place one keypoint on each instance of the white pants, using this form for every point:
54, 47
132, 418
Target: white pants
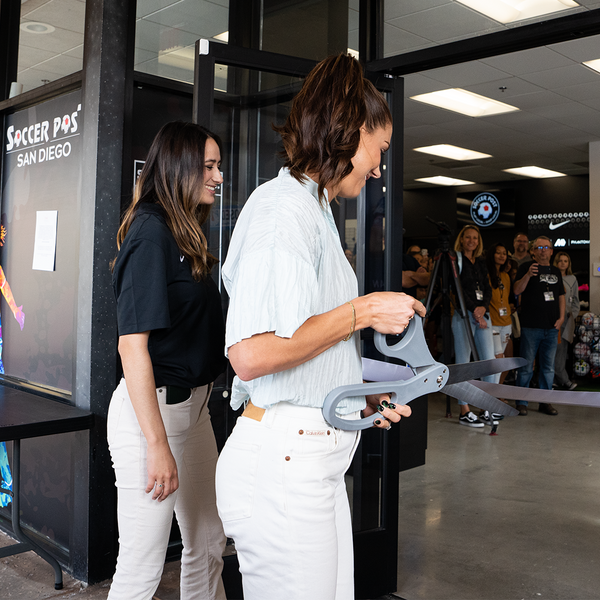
144, 524
282, 497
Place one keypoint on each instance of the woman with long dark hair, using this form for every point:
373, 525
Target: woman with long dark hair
500, 307
292, 328
171, 339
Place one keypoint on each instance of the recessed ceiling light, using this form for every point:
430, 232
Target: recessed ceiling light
536, 172
36, 27
450, 151
464, 102
593, 64
509, 11
223, 37
441, 180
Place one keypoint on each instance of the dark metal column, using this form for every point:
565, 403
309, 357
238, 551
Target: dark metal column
10, 16
370, 33
109, 28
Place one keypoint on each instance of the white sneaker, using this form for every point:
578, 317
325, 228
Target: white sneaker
470, 420
485, 417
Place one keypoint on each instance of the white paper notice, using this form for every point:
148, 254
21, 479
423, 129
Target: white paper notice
44, 250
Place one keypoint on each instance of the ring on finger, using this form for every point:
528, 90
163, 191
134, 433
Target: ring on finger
388, 427
160, 485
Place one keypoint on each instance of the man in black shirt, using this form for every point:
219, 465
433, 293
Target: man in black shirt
542, 313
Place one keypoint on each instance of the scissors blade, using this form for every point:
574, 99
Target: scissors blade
513, 392
472, 394
481, 368
376, 370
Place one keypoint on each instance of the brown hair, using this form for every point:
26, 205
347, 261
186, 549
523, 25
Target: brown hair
461, 235
322, 132
491, 263
542, 237
557, 258
173, 179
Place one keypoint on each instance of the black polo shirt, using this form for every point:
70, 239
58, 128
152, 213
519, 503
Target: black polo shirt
536, 311
156, 292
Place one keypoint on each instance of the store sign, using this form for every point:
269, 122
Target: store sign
566, 229
41, 141
42, 176
485, 209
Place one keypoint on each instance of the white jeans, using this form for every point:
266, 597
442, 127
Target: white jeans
144, 524
282, 497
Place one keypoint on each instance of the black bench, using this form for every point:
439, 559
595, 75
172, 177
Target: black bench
25, 415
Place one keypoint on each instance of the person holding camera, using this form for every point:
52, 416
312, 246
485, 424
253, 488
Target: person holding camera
542, 292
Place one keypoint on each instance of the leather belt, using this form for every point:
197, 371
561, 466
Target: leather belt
253, 412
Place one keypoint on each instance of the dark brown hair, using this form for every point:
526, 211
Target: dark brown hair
322, 132
173, 179
491, 263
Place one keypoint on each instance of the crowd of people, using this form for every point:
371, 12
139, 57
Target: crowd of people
518, 303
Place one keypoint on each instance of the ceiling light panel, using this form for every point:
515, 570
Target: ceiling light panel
536, 172
593, 64
464, 102
441, 180
509, 11
454, 152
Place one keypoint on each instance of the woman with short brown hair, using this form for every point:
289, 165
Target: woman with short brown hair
291, 336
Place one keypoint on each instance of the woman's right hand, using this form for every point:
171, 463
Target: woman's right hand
387, 312
162, 472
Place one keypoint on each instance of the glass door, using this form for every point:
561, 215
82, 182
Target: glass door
239, 94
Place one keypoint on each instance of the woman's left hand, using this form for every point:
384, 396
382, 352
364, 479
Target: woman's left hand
479, 316
390, 413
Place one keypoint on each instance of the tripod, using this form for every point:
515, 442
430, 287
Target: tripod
445, 271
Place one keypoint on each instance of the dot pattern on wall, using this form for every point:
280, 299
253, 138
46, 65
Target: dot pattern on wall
566, 229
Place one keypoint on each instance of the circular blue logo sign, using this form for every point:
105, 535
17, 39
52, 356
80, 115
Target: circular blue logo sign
485, 209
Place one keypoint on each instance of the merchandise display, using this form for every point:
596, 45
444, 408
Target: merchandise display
586, 346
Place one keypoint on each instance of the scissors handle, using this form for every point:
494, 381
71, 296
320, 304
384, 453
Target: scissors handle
430, 376
412, 348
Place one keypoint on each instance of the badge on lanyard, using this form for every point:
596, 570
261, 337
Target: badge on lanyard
479, 294
548, 296
503, 311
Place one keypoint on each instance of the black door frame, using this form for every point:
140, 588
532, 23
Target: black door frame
376, 549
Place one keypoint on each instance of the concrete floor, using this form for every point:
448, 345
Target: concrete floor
510, 517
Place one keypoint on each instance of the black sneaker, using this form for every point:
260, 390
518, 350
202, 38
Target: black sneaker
470, 420
485, 417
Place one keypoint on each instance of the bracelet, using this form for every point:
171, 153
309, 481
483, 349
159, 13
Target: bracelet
353, 323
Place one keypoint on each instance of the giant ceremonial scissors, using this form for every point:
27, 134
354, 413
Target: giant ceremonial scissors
422, 375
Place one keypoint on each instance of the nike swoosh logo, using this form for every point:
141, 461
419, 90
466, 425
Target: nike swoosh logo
181, 258
557, 225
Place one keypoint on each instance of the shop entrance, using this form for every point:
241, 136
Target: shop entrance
239, 94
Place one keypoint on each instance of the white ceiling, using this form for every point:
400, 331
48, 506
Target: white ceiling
559, 98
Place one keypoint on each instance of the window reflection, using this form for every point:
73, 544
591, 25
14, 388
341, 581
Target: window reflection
50, 41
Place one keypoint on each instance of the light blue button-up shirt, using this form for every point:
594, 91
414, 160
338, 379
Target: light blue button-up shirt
285, 264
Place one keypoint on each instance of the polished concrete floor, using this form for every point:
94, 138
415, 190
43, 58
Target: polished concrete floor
510, 517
